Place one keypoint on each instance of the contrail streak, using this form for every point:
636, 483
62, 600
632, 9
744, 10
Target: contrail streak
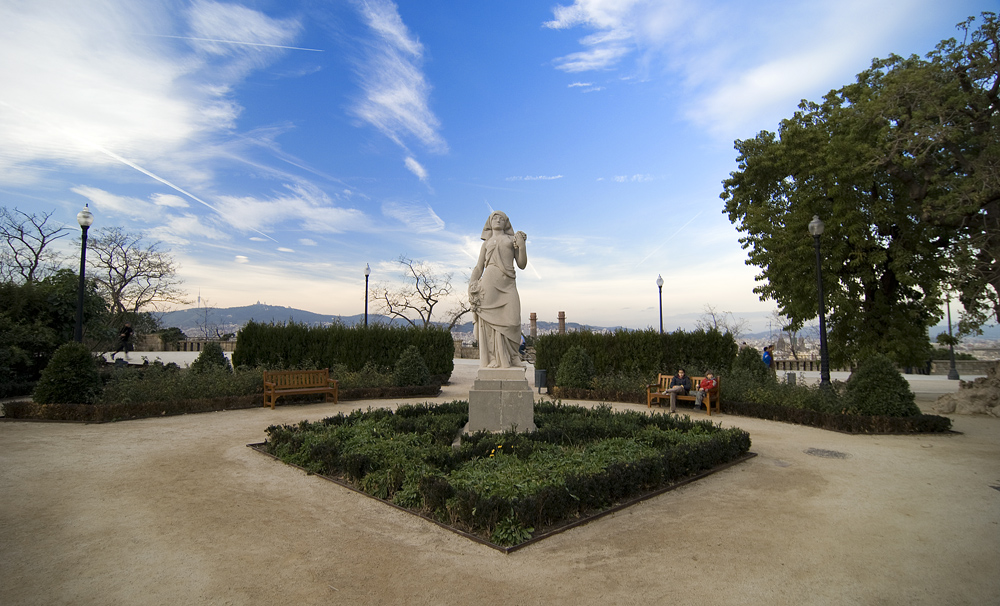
128, 163
313, 50
665, 240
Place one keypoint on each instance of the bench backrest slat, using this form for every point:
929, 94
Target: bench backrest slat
664, 382
298, 378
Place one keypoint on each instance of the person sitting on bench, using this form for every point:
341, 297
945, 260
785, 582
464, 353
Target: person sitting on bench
680, 383
708, 383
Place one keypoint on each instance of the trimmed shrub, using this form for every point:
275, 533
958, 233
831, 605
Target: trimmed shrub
576, 369
284, 346
877, 388
507, 486
834, 421
750, 361
71, 377
211, 356
410, 369
642, 352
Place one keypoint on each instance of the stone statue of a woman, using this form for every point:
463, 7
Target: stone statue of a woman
493, 294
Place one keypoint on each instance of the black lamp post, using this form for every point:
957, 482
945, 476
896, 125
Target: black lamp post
85, 218
816, 229
659, 285
368, 271
952, 371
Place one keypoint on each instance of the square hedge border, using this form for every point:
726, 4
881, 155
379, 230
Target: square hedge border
679, 467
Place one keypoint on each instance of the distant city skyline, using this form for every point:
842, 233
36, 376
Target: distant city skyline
276, 148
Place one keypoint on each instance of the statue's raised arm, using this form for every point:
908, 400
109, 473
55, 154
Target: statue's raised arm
493, 296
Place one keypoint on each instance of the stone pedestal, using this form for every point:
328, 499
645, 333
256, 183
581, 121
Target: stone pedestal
501, 399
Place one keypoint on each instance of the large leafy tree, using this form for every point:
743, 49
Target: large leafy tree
903, 167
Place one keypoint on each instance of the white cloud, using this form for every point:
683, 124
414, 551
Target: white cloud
106, 202
415, 167
241, 259
169, 200
416, 217
286, 250
576, 84
80, 78
302, 207
741, 64
394, 90
633, 178
535, 178
307, 242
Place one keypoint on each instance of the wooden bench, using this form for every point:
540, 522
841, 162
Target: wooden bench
279, 383
657, 391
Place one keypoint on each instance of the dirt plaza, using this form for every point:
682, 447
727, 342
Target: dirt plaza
178, 510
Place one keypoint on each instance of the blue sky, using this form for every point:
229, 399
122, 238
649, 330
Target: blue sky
276, 147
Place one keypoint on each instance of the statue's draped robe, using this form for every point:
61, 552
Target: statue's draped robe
498, 320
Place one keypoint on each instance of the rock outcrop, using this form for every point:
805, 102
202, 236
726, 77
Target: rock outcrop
981, 396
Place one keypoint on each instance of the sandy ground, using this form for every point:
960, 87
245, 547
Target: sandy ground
178, 510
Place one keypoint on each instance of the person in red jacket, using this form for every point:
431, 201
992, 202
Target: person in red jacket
707, 384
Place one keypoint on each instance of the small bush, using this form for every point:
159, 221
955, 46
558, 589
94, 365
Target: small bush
576, 369
877, 388
411, 369
369, 377
70, 378
211, 356
749, 360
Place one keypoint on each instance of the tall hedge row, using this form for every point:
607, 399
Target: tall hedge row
296, 345
641, 351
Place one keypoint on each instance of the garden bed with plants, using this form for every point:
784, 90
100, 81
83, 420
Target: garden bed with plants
507, 489
875, 400
74, 388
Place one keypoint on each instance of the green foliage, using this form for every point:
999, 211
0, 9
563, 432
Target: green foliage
170, 336
370, 375
211, 357
71, 377
635, 353
576, 369
410, 369
943, 353
291, 345
750, 362
503, 486
900, 165
159, 383
835, 421
35, 319
877, 388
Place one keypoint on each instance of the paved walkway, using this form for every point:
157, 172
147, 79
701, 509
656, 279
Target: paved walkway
177, 510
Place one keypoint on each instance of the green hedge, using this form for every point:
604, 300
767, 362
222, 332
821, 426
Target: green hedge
849, 423
282, 346
505, 486
640, 352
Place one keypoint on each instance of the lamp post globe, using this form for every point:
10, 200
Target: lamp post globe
85, 218
816, 228
368, 271
659, 285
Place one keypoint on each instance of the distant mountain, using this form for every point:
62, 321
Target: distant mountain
230, 319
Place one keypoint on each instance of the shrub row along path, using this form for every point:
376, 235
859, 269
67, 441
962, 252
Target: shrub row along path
178, 510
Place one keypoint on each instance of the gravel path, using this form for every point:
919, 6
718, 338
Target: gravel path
178, 510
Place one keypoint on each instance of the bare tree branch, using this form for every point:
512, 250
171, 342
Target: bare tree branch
27, 256
415, 301
722, 321
132, 275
